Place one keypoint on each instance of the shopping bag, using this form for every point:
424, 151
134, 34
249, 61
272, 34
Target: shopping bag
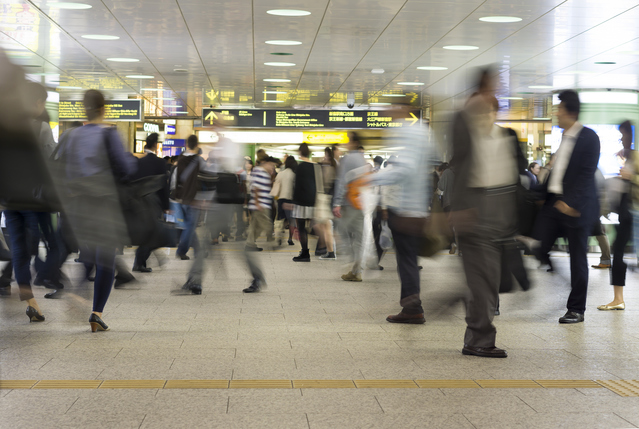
386, 237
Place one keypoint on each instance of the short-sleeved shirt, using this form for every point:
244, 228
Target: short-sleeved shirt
261, 185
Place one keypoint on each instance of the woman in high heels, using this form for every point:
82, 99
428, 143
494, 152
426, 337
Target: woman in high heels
20, 224
94, 159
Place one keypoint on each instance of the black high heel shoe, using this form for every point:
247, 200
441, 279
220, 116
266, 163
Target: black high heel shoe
97, 324
34, 316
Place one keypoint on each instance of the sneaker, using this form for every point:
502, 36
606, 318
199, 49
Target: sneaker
196, 289
351, 277
330, 256
182, 257
254, 287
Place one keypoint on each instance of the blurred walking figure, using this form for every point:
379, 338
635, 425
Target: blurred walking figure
346, 209
411, 181
571, 206
624, 202
307, 180
94, 160
151, 165
184, 183
283, 192
323, 208
260, 205
483, 209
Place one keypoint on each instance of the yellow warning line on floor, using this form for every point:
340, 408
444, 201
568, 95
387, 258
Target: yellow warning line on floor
626, 388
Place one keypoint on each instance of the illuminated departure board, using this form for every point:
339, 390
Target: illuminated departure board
114, 110
308, 119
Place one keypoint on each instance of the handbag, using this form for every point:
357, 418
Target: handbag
230, 189
386, 237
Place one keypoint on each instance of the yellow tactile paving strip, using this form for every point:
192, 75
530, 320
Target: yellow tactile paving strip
197, 384
620, 387
68, 384
447, 384
508, 384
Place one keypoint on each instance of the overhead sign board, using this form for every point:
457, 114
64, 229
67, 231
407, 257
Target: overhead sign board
174, 142
114, 110
308, 119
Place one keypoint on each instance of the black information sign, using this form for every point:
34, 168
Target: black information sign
309, 119
115, 110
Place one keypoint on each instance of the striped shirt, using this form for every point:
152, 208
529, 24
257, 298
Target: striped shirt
261, 186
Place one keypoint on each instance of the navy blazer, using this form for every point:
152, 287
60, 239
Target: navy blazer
151, 165
580, 191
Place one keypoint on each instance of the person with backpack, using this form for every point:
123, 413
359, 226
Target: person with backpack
184, 182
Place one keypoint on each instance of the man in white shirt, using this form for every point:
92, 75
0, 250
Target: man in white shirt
572, 206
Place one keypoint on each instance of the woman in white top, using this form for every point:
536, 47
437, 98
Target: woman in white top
283, 192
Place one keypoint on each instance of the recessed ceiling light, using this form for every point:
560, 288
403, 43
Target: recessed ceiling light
67, 5
288, 12
393, 95
461, 47
69, 87
606, 62
160, 98
510, 98
140, 76
276, 80
379, 104
273, 92
123, 60
180, 111
100, 37
500, 19
283, 42
279, 64
272, 101
541, 119
432, 68
410, 83
281, 53
377, 71
540, 86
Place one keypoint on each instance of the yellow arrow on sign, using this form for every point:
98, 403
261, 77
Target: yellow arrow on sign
210, 117
211, 95
414, 119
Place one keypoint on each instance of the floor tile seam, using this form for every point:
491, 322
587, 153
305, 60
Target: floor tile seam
613, 385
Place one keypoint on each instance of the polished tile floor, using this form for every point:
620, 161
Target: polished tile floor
310, 325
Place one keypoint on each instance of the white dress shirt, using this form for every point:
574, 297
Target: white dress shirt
568, 140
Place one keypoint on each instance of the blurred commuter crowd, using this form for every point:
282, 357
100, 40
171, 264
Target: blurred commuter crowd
87, 195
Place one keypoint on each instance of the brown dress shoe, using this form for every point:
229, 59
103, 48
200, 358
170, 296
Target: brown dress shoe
416, 319
491, 352
601, 266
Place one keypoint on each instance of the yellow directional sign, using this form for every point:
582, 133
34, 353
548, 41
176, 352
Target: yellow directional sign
412, 118
210, 117
211, 95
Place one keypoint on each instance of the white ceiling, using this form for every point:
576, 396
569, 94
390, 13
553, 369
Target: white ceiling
220, 46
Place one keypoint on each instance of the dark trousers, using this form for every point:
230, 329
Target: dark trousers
104, 261
50, 270
624, 233
553, 224
512, 265
377, 232
406, 249
482, 247
22, 224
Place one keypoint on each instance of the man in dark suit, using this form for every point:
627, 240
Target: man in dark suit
571, 207
151, 165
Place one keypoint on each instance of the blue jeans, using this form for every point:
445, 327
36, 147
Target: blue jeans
22, 225
188, 238
104, 260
